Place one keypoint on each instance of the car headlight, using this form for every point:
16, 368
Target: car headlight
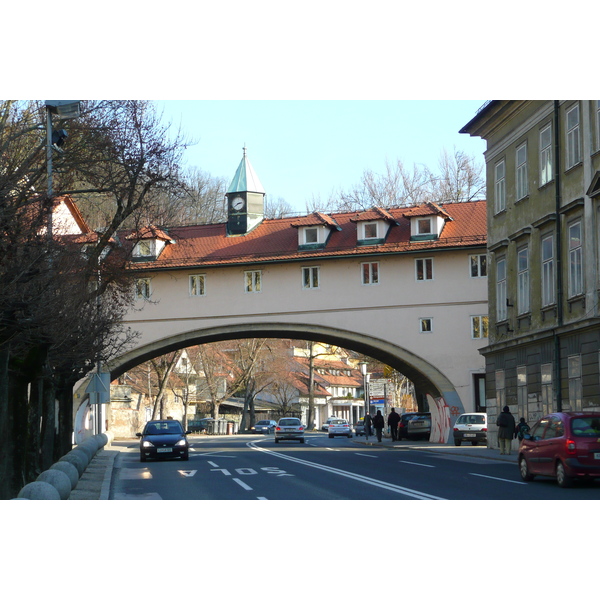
147, 444
180, 443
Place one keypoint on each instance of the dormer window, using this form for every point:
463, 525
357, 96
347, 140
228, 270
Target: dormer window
426, 221
144, 248
424, 226
311, 235
373, 226
149, 243
370, 231
314, 231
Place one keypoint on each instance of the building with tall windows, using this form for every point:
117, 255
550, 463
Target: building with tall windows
543, 189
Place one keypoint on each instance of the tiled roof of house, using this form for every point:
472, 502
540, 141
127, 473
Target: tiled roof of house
276, 240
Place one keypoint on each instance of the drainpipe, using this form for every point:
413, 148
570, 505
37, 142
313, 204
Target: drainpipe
559, 271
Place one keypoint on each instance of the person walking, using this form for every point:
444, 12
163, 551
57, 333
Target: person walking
506, 430
522, 428
367, 422
379, 424
392, 421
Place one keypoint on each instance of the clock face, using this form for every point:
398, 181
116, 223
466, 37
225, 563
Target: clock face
237, 203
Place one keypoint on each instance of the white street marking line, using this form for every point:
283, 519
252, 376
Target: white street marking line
333, 449
368, 480
498, 479
261, 498
369, 455
240, 482
418, 464
188, 473
212, 464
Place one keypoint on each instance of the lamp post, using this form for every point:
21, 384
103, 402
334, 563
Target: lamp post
363, 369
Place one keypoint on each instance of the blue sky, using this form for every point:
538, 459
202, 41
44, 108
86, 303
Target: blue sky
301, 148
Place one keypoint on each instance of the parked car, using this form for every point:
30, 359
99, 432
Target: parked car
289, 428
403, 424
470, 427
264, 426
564, 445
163, 439
419, 427
325, 426
202, 425
340, 427
359, 426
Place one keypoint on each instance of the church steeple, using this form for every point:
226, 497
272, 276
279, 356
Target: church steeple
245, 199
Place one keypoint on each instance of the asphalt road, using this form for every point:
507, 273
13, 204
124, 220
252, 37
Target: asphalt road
255, 468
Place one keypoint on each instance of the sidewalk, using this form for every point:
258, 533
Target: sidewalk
94, 484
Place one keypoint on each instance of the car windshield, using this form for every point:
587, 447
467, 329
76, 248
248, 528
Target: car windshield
473, 419
586, 426
289, 422
166, 427
339, 422
263, 423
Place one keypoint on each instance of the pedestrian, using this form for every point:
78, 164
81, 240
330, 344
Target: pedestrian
379, 424
367, 422
506, 430
522, 428
393, 420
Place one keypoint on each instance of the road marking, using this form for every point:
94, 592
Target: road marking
368, 455
188, 473
240, 482
261, 498
499, 479
363, 479
212, 464
417, 464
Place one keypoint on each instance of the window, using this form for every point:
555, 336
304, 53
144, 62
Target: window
311, 235
424, 268
545, 155
424, 226
426, 325
523, 280
522, 386
197, 285
310, 277
575, 390
500, 389
144, 248
547, 395
548, 283
370, 231
478, 265
573, 144
522, 185
370, 273
252, 281
501, 313
500, 187
479, 327
575, 260
142, 288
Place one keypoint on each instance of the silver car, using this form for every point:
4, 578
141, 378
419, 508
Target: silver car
289, 428
340, 427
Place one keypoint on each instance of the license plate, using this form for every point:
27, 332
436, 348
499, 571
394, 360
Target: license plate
164, 449
470, 435
597, 455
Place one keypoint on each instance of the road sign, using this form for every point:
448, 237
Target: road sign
99, 388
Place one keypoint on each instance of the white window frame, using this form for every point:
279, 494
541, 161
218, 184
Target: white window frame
253, 282
573, 137
422, 273
501, 309
368, 232
425, 324
522, 185
500, 186
575, 259
311, 278
523, 295
574, 372
144, 248
197, 285
478, 265
369, 273
548, 271
143, 288
311, 230
546, 174
479, 327
424, 226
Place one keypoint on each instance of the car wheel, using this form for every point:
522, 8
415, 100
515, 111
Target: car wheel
276, 441
142, 458
524, 470
330, 436
302, 441
349, 435
562, 478
457, 442
186, 456
474, 443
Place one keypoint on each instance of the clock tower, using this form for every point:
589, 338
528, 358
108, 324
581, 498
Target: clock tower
245, 200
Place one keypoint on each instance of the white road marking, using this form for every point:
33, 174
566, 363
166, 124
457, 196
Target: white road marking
498, 479
417, 464
261, 498
368, 455
212, 464
240, 482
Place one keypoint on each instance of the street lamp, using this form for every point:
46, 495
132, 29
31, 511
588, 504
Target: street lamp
363, 369
63, 109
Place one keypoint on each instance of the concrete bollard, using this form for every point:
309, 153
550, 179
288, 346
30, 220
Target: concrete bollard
93, 443
87, 449
78, 459
39, 490
69, 470
57, 479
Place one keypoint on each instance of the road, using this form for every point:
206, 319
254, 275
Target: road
255, 468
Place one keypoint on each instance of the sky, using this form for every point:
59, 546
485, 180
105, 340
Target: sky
305, 148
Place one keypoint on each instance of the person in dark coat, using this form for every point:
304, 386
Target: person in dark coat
522, 428
506, 430
379, 424
367, 422
392, 421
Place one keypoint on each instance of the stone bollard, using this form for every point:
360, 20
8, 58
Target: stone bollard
87, 449
58, 480
39, 490
69, 469
78, 459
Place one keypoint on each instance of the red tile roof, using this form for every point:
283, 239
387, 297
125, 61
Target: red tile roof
276, 240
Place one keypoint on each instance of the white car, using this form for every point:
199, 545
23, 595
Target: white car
289, 428
339, 427
470, 427
325, 426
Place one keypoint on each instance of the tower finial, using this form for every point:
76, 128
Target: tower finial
244, 149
